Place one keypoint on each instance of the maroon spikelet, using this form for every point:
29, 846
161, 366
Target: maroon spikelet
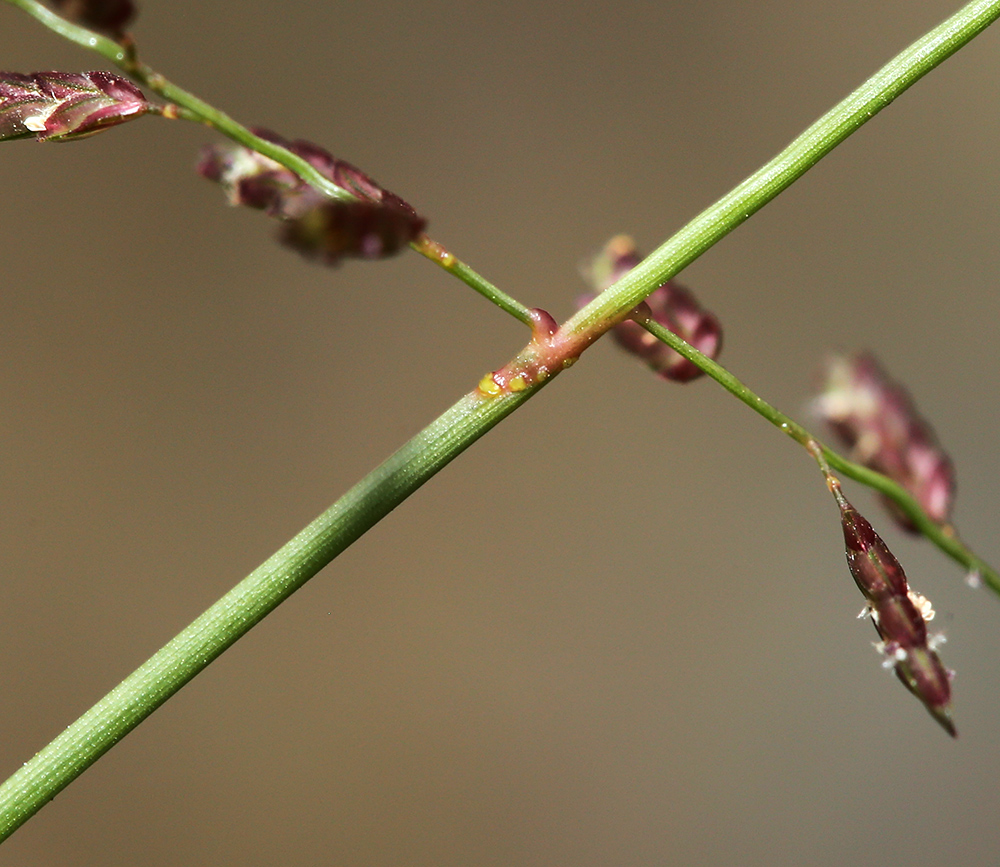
900, 615
876, 418
671, 305
375, 224
58, 106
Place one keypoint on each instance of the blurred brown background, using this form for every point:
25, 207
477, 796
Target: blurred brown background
620, 629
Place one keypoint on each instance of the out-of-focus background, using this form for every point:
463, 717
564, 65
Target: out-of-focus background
618, 630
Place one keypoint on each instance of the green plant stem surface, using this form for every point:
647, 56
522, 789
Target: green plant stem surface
802, 154
55, 766
457, 268
39, 779
483, 286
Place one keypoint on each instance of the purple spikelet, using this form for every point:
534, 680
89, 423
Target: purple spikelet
59, 106
671, 305
875, 417
377, 223
900, 615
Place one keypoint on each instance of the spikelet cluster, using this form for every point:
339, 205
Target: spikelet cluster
671, 305
377, 223
875, 417
900, 615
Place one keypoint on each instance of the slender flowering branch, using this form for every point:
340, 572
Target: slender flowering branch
943, 536
190, 107
551, 350
453, 265
186, 106
697, 236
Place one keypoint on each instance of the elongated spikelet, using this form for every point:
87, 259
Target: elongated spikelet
377, 223
60, 106
900, 615
876, 418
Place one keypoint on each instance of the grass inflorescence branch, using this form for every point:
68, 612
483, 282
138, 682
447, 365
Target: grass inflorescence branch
184, 105
190, 106
942, 535
434, 251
